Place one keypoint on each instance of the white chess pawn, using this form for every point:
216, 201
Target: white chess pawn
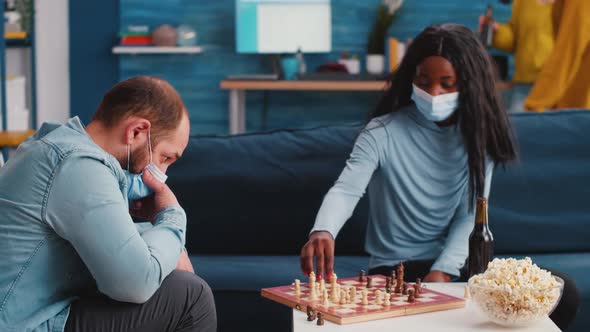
378, 299
365, 295
353, 293
342, 297
322, 285
326, 298
387, 301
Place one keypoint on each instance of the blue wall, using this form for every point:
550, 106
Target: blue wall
93, 68
197, 77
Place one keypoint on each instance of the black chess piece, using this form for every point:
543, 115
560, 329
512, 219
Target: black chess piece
411, 298
416, 290
369, 282
405, 289
320, 319
310, 314
362, 276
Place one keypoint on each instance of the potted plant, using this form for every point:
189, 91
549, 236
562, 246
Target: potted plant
376, 43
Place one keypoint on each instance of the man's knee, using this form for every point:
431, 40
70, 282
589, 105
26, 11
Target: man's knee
188, 285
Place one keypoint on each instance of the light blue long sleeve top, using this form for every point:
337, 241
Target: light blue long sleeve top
65, 230
416, 175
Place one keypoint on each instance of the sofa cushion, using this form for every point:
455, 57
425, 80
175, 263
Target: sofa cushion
258, 194
541, 204
252, 273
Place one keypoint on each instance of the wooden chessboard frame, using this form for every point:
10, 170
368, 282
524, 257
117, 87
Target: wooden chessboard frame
278, 295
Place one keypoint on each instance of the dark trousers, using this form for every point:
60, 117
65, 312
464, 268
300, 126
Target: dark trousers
183, 302
562, 316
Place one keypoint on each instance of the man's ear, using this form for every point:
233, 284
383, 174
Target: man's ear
136, 131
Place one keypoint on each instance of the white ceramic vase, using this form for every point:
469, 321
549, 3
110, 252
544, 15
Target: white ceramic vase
375, 64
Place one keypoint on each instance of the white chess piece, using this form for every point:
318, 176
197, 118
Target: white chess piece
334, 288
387, 301
326, 298
467, 295
365, 295
353, 293
342, 297
313, 295
322, 285
378, 298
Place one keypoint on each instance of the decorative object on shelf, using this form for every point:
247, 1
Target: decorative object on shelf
186, 36
376, 44
164, 35
136, 35
352, 64
12, 18
289, 67
395, 52
301, 66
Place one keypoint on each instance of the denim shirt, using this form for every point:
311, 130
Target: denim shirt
65, 231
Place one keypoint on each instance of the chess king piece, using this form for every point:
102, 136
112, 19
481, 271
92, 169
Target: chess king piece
320, 319
400, 271
398, 287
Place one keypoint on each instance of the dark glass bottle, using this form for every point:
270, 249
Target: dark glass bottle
481, 240
487, 32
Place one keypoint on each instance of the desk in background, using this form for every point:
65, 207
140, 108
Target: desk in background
237, 94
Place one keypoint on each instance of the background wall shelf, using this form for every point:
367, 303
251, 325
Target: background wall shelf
156, 50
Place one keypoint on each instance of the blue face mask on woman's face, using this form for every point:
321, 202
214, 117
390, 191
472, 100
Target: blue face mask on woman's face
435, 108
137, 189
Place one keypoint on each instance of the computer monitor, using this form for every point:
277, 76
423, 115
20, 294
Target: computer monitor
283, 26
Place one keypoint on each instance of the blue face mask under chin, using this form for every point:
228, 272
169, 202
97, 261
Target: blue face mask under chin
137, 189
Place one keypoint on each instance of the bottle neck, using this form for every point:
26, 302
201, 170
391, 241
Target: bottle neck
481, 215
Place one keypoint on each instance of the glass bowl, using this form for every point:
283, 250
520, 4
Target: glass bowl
517, 307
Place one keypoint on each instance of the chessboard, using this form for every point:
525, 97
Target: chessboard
353, 310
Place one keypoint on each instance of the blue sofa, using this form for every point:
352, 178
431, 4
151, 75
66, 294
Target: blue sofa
251, 201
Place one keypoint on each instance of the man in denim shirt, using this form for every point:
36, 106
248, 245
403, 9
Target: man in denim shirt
72, 257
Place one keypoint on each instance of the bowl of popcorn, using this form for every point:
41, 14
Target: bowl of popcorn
514, 292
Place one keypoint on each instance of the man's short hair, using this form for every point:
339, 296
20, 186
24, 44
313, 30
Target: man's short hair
147, 97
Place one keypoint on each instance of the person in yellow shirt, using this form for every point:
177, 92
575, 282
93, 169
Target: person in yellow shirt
564, 81
529, 36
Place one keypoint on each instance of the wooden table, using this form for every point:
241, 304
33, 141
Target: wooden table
12, 139
456, 320
237, 93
